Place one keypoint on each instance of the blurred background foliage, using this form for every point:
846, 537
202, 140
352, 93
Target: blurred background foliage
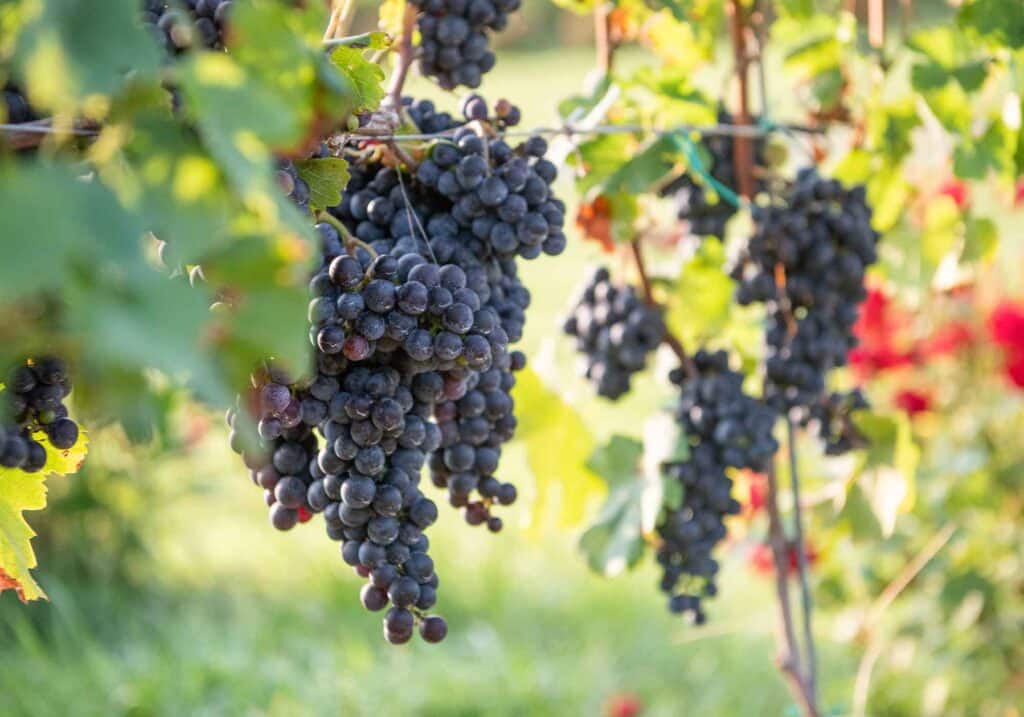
170, 594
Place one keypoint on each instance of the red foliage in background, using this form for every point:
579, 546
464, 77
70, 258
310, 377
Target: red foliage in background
956, 190
762, 562
594, 219
878, 331
949, 339
623, 704
913, 402
1006, 327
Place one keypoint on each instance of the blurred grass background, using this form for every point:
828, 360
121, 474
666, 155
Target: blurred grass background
171, 595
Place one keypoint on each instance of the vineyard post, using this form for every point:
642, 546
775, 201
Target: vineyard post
798, 669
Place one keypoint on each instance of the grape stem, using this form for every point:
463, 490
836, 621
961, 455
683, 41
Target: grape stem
810, 651
801, 675
346, 235
669, 339
603, 44
406, 54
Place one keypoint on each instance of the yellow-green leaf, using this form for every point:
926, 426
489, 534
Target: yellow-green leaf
21, 491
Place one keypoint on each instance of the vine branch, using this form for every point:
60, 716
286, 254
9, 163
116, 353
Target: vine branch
743, 156
810, 652
789, 652
406, 55
603, 44
669, 339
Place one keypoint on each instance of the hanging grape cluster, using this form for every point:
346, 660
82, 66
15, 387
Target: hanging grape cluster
455, 49
806, 262
725, 428
413, 311
696, 201
615, 330
196, 23
33, 402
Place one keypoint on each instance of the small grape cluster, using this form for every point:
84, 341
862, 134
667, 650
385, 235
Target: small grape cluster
699, 204
16, 107
725, 428
806, 262
615, 330
429, 120
455, 49
831, 417
35, 393
202, 22
292, 185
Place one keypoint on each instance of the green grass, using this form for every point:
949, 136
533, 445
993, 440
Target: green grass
235, 619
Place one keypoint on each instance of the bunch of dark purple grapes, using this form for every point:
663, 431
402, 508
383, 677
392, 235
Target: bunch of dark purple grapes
411, 319
33, 401
725, 428
820, 241
615, 331
455, 49
202, 23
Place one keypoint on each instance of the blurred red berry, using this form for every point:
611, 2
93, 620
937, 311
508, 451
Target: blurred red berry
1006, 325
304, 514
957, 191
762, 560
623, 704
913, 402
758, 491
949, 339
1018, 194
1014, 369
877, 330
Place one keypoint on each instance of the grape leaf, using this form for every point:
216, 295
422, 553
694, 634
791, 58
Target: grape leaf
366, 77
1002, 20
557, 445
66, 54
89, 228
19, 492
887, 473
700, 303
326, 177
614, 541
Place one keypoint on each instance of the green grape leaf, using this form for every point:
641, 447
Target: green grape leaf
19, 492
974, 158
326, 177
69, 52
366, 77
887, 473
888, 194
89, 228
167, 176
700, 300
616, 164
1001, 20
557, 445
614, 541
981, 238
